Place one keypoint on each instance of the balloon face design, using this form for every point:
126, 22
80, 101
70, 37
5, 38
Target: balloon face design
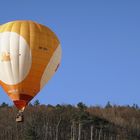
30, 54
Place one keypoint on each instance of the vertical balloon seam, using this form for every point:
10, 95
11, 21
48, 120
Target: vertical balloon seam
29, 45
39, 33
29, 29
31, 48
19, 45
24, 62
5, 67
20, 75
13, 79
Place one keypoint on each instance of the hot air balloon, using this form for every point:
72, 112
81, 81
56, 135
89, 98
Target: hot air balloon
30, 54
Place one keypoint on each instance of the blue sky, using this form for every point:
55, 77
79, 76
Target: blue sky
101, 48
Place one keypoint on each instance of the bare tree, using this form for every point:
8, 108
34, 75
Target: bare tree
91, 132
57, 128
79, 131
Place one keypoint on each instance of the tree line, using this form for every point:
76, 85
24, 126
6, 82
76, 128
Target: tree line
68, 122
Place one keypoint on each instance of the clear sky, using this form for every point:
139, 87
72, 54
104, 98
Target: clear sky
101, 48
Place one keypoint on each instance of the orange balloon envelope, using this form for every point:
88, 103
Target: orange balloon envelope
30, 53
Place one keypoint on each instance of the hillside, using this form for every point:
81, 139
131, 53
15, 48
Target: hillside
67, 122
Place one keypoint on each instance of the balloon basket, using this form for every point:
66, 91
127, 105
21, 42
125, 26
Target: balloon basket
19, 116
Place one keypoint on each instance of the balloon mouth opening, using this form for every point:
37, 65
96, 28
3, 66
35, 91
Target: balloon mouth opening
20, 104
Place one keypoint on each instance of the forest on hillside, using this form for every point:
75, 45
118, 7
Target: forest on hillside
68, 122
